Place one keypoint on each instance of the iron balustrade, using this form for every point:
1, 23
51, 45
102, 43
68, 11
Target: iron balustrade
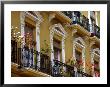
95, 30
67, 13
82, 21
26, 57
63, 70
78, 18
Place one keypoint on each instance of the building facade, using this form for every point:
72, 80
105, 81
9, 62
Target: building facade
55, 43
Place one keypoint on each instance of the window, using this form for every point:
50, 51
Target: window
96, 66
95, 62
57, 49
92, 14
78, 59
29, 37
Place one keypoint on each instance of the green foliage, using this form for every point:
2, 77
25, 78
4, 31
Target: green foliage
46, 49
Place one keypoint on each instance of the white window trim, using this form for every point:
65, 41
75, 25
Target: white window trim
64, 34
83, 50
38, 20
92, 58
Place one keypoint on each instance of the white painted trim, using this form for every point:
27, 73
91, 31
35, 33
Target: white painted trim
30, 15
96, 54
38, 43
89, 17
96, 18
96, 49
22, 18
79, 44
51, 45
80, 39
63, 35
92, 58
63, 50
83, 50
38, 20
22, 25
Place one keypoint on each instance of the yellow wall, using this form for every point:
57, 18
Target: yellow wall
44, 30
45, 33
15, 20
85, 13
98, 17
68, 45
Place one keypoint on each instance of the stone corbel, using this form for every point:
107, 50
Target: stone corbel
40, 18
92, 43
74, 31
51, 16
86, 38
66, 24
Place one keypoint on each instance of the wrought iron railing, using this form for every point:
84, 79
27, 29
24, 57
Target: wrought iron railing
67, 13
78, 18
64, 70
26, 57
95, 30
83, 21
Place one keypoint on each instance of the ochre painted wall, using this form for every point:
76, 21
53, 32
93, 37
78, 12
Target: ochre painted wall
45, 34
44, 30
85, 13
15, 20
68, 45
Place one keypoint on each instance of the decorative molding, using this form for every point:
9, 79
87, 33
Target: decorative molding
92, 43
38, 19
96, 18
74, 31
82, 46
63, 33
64, 17
79, 39
92, 58
22, 22
29, 15
86, 38
96, 50
79, 45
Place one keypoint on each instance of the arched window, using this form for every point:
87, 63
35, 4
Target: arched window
79, 55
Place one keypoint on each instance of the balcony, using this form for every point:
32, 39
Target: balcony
83, 21
28, 58
67, 13
78, 18
95, 30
